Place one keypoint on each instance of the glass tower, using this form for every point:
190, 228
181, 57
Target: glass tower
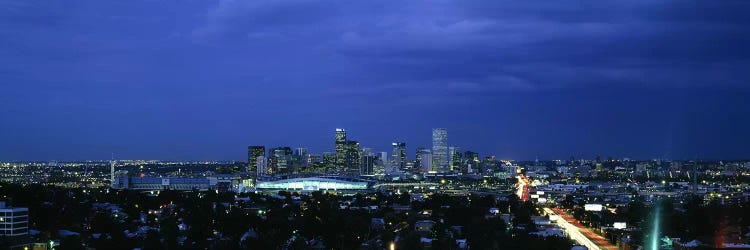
340, 161
440, 150
398, 156
253, 152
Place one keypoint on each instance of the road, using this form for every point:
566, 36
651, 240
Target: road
580, 233
523, 188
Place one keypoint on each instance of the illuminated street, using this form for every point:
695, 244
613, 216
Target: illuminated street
523, 188
578, 232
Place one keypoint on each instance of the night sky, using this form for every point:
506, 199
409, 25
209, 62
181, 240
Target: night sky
202, 80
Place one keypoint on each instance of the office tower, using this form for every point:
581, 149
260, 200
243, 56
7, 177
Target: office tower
112, 170
398, 156
253, 152
368, 164
384, 163
440, 150
300, 151
366, 151
329, 161
351, 158
14, 221
489, 165
314, 158
279, 160
381, 163
300, 158
262, 166
455, 159
339, 163
471, 160
427, 164
419, 157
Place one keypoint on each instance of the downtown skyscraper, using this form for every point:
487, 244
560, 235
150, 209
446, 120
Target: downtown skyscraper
253, 152
423, 162
455, 158
347, 159
341, 146
440, 150
398, 156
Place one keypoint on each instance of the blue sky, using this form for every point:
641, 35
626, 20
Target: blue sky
202, 79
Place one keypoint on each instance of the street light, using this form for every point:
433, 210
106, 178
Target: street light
393, 246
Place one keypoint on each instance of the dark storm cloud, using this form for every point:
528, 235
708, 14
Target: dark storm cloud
517, 44
179, 67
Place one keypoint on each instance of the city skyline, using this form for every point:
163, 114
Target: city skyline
372, 125
338, 149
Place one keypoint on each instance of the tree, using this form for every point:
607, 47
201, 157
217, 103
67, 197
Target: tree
72, 242
152, 241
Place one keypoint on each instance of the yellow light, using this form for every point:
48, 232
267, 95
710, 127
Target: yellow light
393, 246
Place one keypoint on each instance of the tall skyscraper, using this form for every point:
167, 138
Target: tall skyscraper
418, 157
471, 161
262, 167
440, 149
385, 162
351, 158
367, 164
300, 158
426, 165
340, 148
329, 161
252, 156
455, 158
300, 151
398, 156
279, 160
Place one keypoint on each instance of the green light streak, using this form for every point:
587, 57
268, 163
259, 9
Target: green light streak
655, 231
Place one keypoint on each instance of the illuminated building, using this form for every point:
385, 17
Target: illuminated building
398, 156
329, 160
455, 158
314, 184
253, 152
300, 158
279, 160
471, 161
367, 164
340, 160
427, 163
262, 164
440, 150
351, 158
152, 183
14, 221
423, 160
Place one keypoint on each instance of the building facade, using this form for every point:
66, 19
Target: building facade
455, 159
315, 184
440, 150
351, 158
340, 161
471, 162
14, 221
253, 152
398, 156
279, 160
